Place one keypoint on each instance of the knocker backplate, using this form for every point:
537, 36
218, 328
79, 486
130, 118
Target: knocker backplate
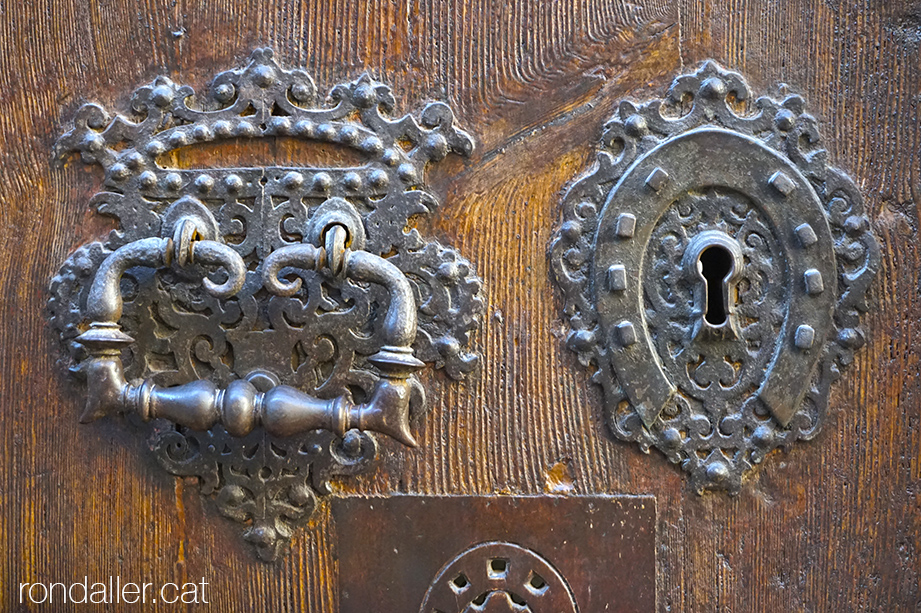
317, 340
714, 370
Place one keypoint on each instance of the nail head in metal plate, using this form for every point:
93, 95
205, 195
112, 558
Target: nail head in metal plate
617, 278
626, 225
626, 333
812, 278
806, 235
657, 179
804, 337
782, 183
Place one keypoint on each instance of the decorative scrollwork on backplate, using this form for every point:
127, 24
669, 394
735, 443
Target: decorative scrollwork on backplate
708, 166
268, 483
714, 374
320, 338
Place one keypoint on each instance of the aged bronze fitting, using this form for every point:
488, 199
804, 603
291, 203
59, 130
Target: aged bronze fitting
265, 320
464, 554
714, 269
499, 576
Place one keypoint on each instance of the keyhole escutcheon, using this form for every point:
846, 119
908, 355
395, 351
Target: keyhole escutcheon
713, 262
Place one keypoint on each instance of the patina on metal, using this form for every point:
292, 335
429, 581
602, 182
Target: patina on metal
467, 554
266, 320
499, 576
714, 269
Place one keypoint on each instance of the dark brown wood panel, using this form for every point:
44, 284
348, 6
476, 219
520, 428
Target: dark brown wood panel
834, 524
603, 548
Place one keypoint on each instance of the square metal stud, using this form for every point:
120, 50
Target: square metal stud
814, 282
617, 278
782, 183
804, 337
657, 179
626, 333
806, 235
626, 225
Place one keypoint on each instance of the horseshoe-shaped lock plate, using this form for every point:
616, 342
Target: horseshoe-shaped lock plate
698, 161
270, 386
673, 179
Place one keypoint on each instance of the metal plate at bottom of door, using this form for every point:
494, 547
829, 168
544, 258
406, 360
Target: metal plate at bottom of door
470, 554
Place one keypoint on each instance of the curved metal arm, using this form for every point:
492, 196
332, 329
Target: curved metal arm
104, 340
104, 304
389, 407
219, 254
399, 329
283, 410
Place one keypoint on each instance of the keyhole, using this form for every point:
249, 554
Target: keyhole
715, 265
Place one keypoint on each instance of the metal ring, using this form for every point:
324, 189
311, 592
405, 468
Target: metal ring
334, 239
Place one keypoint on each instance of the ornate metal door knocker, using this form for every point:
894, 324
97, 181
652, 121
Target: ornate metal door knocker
714, 269
268, 319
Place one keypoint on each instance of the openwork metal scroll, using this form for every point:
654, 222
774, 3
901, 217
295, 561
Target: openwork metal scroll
265, 320
714, 269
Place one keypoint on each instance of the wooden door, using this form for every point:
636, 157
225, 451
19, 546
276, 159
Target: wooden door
832, 524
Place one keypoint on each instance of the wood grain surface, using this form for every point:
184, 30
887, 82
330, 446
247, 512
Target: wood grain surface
831, 525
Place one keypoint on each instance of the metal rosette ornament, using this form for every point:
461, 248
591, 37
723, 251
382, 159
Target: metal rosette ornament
318, 340
713, 269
